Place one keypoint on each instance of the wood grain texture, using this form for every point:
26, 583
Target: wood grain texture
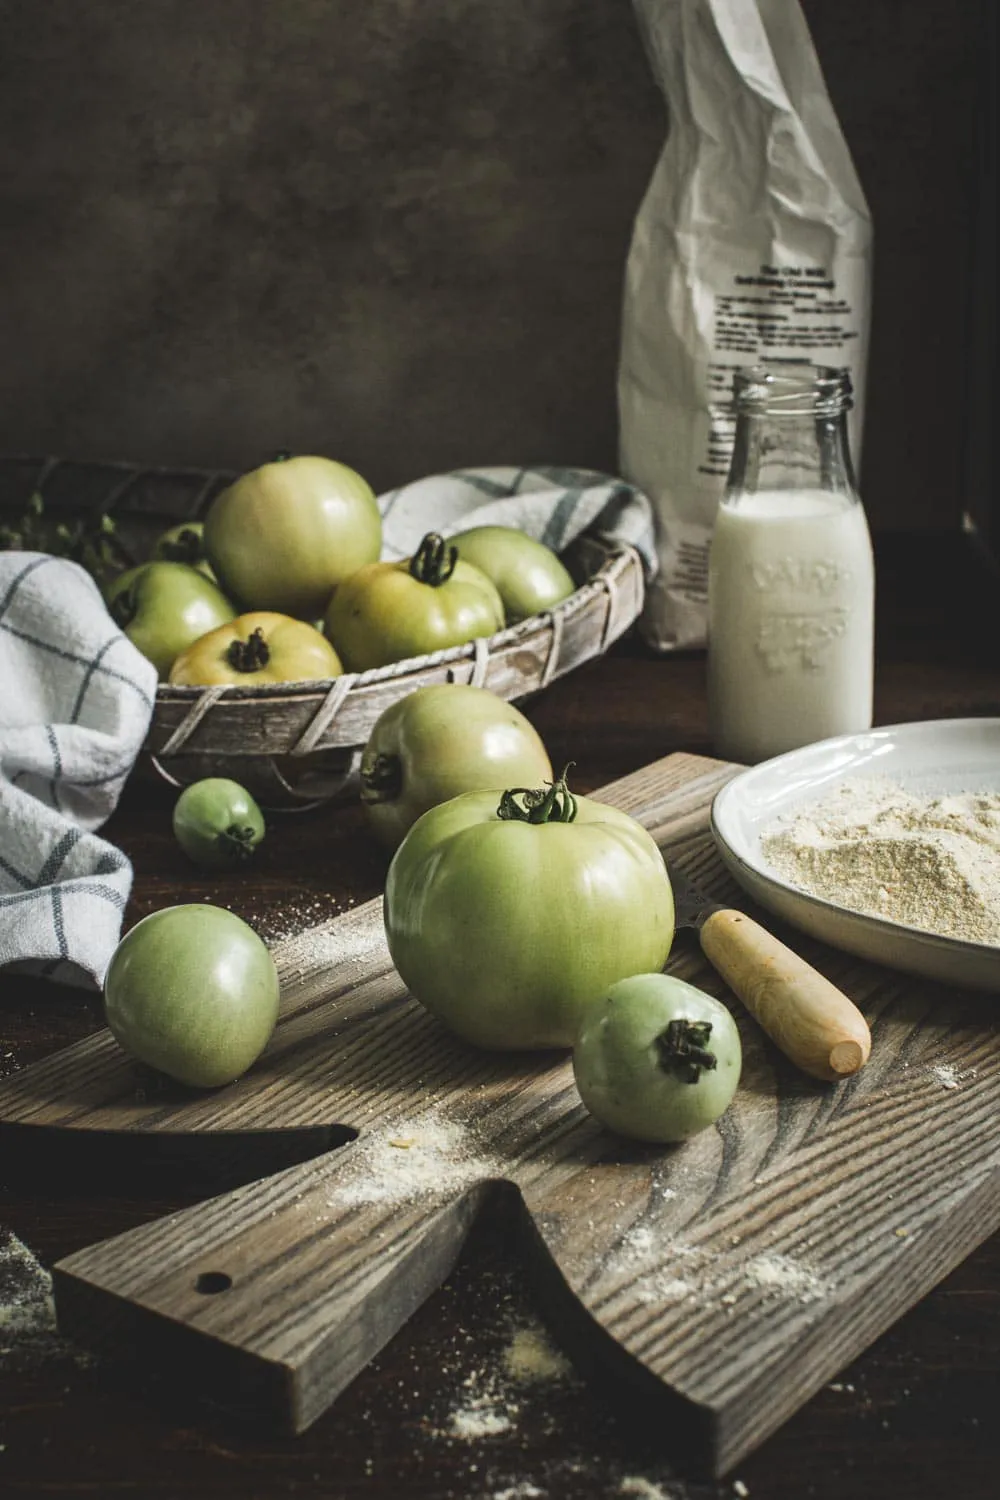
729, 1277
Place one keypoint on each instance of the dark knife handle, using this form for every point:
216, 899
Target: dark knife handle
813, 1022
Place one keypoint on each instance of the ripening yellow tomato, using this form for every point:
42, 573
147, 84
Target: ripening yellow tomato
257, 648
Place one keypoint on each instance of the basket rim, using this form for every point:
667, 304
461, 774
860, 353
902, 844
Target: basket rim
619, 554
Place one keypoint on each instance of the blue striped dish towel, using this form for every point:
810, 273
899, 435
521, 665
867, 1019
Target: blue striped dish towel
76, 699
554, 505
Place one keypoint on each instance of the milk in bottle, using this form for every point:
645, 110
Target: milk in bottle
791, 576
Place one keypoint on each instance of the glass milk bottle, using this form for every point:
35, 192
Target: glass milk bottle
791, 579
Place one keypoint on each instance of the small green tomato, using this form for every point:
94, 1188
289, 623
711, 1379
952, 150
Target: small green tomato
192, 991
217, 823
163, 607
657, 1059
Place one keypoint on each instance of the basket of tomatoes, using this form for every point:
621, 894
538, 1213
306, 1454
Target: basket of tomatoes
282, 626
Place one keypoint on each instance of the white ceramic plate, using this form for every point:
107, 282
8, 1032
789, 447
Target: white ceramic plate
936, 756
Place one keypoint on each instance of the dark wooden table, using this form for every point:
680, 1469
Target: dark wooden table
914, 1417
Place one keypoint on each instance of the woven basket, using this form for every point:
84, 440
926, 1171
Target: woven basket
297, 743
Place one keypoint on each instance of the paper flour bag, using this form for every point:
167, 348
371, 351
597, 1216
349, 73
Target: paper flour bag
753, 243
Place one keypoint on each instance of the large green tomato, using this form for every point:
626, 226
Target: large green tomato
389, 611
285, 535
529, 576
506, 916
164, 606
438, 742
192, 991
657, 1059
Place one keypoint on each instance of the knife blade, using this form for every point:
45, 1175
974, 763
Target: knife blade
813, 1022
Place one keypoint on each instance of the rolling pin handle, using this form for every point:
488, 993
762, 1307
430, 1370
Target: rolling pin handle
812, 1022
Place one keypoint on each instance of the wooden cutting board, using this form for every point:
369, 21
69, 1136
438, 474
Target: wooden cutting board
728, 1279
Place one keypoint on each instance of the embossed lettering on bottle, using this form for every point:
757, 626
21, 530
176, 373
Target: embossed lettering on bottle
789, 638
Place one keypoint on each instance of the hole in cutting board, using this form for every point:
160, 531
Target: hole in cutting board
210, 1283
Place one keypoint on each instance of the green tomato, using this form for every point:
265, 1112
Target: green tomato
192, 991
217, 823
164, 606
657, 1059
506, 916
440, 741
389, 611
283, 537
184, 544
529, 576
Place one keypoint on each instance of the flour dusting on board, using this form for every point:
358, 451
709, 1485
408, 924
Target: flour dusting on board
413, 1158
947, 1075
786, 1276
642, 1251
665, 1270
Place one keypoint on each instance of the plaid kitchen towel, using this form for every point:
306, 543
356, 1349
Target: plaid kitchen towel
76, 698
551, 504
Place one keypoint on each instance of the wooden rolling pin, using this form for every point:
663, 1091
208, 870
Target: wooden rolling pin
813, 1022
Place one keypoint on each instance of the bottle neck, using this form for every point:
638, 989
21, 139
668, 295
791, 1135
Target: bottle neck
782, 452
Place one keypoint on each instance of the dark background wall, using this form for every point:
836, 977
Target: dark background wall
394, 231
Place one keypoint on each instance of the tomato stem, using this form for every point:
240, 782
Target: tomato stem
434, 560
186, 547
281, 457
249, 655
536, 805
382, 779
683, 1049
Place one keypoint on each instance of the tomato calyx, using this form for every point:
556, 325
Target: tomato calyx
521, 804
683, 1049
434, 560
249, 655
382, 779
281, 457
123, 608
239, 841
